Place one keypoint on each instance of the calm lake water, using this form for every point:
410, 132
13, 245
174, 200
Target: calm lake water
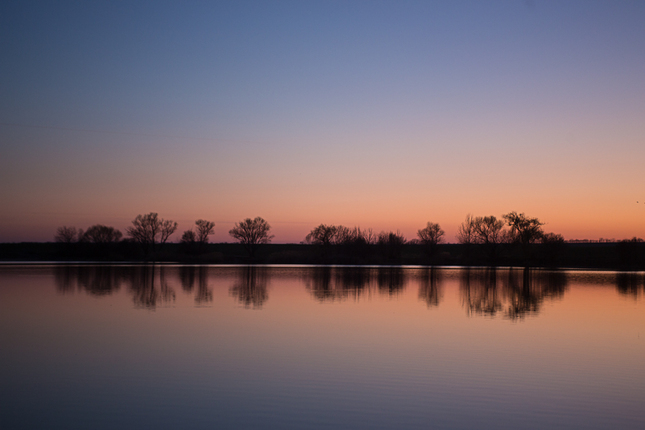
115, 347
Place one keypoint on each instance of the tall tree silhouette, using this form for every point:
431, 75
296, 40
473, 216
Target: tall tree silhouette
102, 234
391, 244
251, 233
524, 230
204, 229
430, 236
466, 231
150, 230
66, 234
489, 231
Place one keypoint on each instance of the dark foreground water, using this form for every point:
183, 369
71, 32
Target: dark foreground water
109, 347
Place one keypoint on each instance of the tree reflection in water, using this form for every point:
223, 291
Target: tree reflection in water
318, 281
479, 291
250, 290
519, 293
630, 283
430, 286
512, 293
338, 283
143, 285
391, 280
352, 281
148, 284
95, 280
191, 275
341, 283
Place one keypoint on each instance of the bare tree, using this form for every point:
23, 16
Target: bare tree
204, 229
168, 227
150, 230
430, 236
489, 230
102, 234
66, 234
251, 233
322, 235
524, 230
391, 244
188, 241
188, 237
354, 236
466, 231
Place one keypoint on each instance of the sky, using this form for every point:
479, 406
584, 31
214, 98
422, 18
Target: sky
378, 114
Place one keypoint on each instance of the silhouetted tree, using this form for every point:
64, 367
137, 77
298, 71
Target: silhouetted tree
391, 244
524, 230
354, 236
489, 231
251, 233
188, 237
204, 229
187, 242
322, 235
430, 236
102, 234
66, 234
466, 231
150, 230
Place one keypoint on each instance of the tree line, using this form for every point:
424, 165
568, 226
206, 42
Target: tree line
151, 232
481, 239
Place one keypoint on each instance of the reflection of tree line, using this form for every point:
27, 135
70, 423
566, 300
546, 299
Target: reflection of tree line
150, 285
250, 289
340, 283
196, 278
630, 283
515, 293
96, 280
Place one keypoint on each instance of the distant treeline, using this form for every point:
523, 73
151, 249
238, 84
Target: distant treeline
513, 240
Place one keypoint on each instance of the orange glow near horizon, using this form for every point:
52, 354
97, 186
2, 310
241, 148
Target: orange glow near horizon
300, 138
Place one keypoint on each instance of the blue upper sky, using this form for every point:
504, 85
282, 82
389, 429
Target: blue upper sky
350, 90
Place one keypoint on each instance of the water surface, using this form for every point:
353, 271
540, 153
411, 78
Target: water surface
108, 347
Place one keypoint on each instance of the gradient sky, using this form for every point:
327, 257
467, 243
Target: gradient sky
380, 114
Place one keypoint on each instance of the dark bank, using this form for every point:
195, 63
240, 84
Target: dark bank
626, 255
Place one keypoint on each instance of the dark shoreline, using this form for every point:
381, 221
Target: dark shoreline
606, 256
